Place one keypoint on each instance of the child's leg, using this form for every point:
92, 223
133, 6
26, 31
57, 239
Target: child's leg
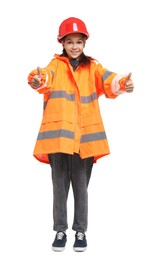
81, 172
61, 181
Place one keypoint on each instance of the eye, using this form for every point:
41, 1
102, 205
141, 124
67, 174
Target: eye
80, 42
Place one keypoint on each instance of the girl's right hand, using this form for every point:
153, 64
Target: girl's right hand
36, 81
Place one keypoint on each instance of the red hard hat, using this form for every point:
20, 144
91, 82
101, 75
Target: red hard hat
72, 25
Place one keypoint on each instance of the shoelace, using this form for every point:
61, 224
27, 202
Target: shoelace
60, 235
80, 235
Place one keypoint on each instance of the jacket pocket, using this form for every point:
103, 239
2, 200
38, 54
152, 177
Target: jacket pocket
91, 120
56, 117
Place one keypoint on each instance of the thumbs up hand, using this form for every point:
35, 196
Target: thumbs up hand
36, 81
129, 86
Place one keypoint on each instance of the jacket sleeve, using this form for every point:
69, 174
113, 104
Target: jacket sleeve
109, 83
46, 80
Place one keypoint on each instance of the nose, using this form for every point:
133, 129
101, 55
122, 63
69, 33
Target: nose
74, 46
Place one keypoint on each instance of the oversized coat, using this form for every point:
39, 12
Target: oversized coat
71, 121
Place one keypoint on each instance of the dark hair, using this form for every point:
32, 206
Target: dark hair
83, 59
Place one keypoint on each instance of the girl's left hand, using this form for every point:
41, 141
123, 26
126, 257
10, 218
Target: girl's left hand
129, 86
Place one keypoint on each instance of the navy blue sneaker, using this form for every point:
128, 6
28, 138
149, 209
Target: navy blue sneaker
80, 244
59, 241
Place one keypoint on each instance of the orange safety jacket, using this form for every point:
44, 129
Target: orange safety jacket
71, 121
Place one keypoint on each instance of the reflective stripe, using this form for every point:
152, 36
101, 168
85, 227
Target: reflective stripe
71, 97
62, 94
93, 137
45, 103
55, 134
88, 99
106, 74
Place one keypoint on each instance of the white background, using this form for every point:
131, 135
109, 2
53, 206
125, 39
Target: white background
123, 187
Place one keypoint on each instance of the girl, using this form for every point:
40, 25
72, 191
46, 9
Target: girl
72, 135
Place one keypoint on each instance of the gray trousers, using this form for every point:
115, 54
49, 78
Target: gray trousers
70, 169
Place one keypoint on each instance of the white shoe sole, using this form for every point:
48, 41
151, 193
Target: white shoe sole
58, 249
79, 249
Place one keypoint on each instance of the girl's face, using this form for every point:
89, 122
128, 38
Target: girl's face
74, 44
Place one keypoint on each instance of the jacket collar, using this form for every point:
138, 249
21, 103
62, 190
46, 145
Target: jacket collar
65, 59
